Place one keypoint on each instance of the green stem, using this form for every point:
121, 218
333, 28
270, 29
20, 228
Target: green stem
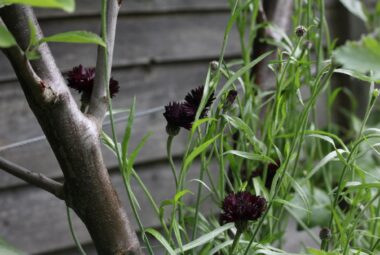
170, 158
349, 162
114, 137
199, 192
77, 243
236, 241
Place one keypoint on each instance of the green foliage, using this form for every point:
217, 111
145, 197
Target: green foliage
6, 38
66, 5
269, 142
75, 37
361, 58
7, 249
356, 7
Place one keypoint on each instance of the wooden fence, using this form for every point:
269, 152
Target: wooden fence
162, 50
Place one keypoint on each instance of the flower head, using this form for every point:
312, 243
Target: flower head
230, 99
114, 87
242, 207
179, 114
193, 100
271, 172
176, 117
301, 31
82, 80
325, 234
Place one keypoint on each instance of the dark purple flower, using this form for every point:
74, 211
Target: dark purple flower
271, 172
242, 207
176, 117
325, 234
114, 87
82, 80
231, 96
301, 31
183, 114
193, 100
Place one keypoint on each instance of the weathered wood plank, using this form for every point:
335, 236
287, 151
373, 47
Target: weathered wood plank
142, 40
89, 7
35, 221
154, 86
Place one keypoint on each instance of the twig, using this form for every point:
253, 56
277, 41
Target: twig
36, 179
98, 103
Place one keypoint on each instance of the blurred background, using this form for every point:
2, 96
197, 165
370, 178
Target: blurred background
163, 48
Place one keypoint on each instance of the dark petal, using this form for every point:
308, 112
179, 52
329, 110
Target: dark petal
242, 207
81, 79
176, 116
231, 96
193, 100
114, 87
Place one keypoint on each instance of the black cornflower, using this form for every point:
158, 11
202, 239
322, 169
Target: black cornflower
242, 207
193, 100
301, 31
114, 87
182, 114
176, 117
231, 96
82, 80
325, 234
271, 172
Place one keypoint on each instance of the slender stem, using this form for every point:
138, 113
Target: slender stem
350, 160
199, 194
77, 243
105, 76
236, 241
357, 218
170, 158
294, 145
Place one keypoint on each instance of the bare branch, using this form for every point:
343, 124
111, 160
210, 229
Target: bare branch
98, 103
36, 179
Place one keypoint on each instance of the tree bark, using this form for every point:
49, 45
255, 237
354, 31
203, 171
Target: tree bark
74, 138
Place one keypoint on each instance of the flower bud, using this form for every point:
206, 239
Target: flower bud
214, 65
375, 93
301, 31
325, 234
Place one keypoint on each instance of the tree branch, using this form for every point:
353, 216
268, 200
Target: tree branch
36, 179
278, 13
17, 19
74, 139
98, 103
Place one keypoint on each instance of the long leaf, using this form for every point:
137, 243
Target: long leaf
136, 151
161, 239
128, 130
6, 38
241, 71
66, 5
251, 156
206, 238
75, 37
198, 150
329, 157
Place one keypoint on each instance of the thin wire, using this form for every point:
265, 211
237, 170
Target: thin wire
106, 123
